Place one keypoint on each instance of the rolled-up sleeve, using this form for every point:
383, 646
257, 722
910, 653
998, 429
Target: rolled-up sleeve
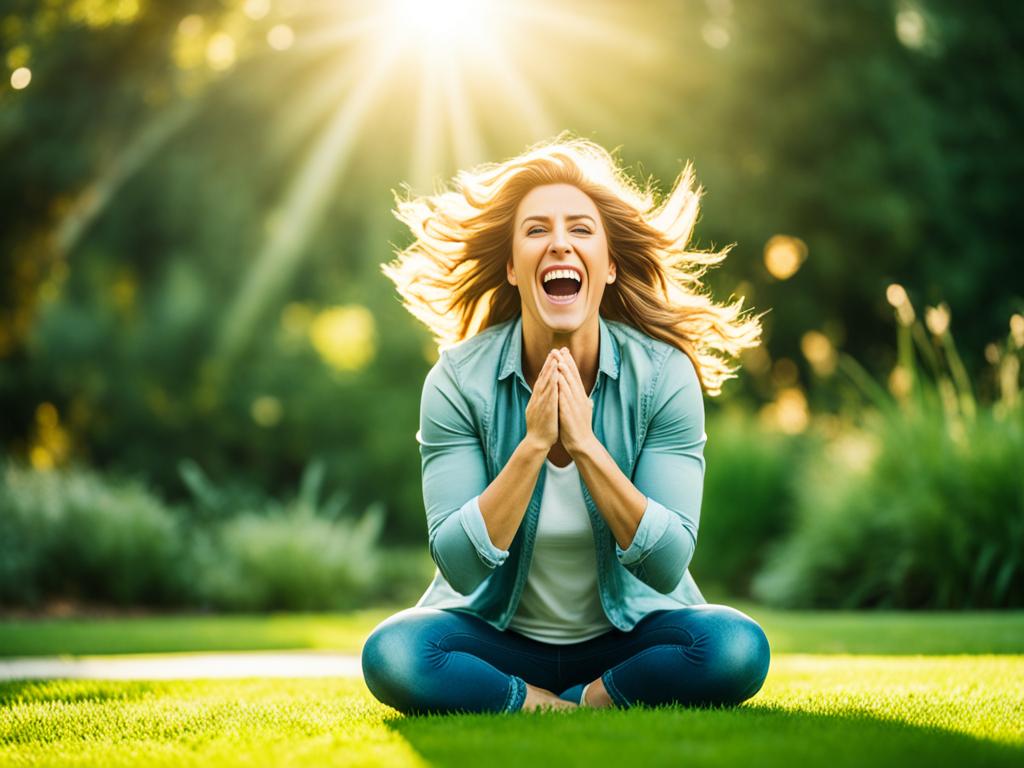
454, 476
670, 473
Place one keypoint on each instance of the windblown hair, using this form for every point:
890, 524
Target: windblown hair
453, 277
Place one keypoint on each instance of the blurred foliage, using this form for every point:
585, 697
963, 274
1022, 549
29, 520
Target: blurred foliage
922, 506
196, 200
749, 498
298, 555
75, 535
912, 496
79, 535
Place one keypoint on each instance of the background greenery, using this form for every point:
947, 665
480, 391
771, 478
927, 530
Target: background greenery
209, 392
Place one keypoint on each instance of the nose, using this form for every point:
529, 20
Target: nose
559, 243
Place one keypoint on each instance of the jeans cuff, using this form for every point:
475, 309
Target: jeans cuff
516, 695
613, 692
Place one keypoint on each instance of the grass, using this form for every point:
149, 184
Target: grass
841, 710
167, 634
843, 689
896, 632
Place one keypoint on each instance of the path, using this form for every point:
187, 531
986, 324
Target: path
179, 666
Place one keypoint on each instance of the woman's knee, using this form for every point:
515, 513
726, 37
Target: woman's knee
739, 654
395, 656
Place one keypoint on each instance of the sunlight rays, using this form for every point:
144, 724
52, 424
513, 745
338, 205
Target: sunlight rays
305, 200
477, 71
466, 141
471, 64
426, 138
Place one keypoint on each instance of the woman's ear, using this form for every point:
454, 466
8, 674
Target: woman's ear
510, 272
611, 273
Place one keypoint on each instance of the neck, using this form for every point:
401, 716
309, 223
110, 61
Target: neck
583, 344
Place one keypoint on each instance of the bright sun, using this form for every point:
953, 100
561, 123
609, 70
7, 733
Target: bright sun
439, 26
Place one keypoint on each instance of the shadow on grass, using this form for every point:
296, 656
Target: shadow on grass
678, 736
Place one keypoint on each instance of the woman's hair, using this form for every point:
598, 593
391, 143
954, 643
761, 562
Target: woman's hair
453, 277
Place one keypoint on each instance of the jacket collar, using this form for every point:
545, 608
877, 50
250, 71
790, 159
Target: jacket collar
512, 356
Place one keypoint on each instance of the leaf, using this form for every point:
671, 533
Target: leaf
312, 479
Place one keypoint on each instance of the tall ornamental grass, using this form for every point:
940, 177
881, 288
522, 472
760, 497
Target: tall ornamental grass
923, 505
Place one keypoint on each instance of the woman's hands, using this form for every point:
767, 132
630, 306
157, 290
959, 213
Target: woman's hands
559, 409
542, 410
575, 408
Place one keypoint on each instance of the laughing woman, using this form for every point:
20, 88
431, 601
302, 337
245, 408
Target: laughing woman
562, 434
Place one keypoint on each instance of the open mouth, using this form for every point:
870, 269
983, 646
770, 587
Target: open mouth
561, 286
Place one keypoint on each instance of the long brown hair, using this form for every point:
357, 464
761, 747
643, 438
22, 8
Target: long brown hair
453, 276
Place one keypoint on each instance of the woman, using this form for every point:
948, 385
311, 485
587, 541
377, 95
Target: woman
562, 435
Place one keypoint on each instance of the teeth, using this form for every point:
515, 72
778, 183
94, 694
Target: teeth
556, 273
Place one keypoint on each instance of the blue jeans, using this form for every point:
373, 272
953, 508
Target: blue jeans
424, 660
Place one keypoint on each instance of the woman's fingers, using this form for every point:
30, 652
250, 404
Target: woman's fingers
571, 373
547, 374
550, 366
543, 376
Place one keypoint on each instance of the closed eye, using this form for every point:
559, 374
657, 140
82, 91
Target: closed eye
582, 230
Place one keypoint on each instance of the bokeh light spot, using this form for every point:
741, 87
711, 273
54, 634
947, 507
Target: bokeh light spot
1017, 330
40, 458
280, 37
191, 26
266, 411
344, 336
20, 78
220, 51
788, 413
819, 352
256, 9
783, 256
18, 56
910, 27
715, 35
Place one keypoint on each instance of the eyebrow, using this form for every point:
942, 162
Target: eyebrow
573, 217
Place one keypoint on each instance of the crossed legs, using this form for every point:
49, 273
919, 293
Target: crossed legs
428, 660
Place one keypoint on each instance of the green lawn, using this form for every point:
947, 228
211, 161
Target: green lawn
842, 690
897, 633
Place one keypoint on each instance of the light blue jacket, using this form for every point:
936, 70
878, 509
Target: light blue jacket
648, 414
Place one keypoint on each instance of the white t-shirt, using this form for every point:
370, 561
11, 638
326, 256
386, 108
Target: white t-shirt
560, 603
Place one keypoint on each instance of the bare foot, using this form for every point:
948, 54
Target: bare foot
543, 699
597, 695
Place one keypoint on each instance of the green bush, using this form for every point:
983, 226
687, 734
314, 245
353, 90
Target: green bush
300, 555
748, 499
74, 534
932, 514
931, 522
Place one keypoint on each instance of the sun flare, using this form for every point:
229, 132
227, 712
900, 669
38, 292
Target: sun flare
444, 27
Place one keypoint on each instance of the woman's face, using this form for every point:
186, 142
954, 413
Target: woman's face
558, 226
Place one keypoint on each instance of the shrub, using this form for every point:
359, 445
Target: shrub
75, 534
748, 499
299, 555
934, 517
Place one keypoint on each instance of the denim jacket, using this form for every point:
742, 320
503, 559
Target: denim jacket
648, 414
